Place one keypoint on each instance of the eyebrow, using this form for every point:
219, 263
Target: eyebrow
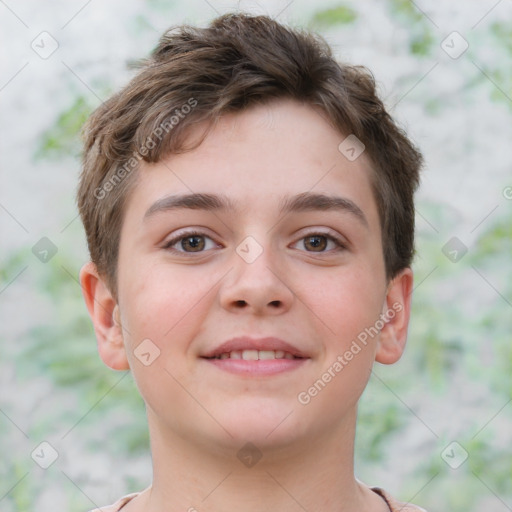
208, 202
304, 202
308, 201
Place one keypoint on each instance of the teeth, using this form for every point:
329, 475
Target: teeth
267, 354
255, 355
250, 355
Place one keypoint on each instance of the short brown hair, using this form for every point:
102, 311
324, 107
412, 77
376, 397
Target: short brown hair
237, 61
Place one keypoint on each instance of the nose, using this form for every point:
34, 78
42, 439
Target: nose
258, 287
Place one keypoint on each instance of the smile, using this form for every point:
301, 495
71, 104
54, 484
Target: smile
255, 355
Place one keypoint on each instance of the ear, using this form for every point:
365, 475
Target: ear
395, 312
104, 313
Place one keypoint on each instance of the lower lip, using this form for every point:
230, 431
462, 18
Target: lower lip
258, 368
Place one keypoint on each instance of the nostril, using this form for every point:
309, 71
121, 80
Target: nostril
242, 303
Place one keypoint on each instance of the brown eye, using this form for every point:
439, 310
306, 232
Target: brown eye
317, 243
321, 243
195, 243
192, 242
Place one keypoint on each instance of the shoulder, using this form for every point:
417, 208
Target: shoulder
117, 505
395, 505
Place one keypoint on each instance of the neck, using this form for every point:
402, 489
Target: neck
304, 475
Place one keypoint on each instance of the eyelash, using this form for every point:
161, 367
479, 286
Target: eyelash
341, 245
182, 236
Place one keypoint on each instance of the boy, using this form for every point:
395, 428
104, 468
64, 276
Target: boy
248, 205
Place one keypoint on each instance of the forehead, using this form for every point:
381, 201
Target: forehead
257, 159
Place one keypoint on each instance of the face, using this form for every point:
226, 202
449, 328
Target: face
237, 299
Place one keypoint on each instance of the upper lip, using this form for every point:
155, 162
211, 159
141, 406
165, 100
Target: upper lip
247, 343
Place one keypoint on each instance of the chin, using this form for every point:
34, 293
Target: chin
263, 422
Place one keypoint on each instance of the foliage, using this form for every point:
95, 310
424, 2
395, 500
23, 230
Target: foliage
407, 13
447, 341
62, 139
334, 16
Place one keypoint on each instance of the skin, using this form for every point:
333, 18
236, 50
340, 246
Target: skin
189, 302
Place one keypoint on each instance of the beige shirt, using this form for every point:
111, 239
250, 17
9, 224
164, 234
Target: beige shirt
394, 505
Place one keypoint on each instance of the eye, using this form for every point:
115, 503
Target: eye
193, 241
320, 242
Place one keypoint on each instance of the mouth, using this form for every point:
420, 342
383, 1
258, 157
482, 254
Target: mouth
255, 355
258, 357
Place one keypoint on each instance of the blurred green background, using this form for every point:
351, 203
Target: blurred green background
454, 384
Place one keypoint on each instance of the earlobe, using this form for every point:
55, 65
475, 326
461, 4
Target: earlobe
396, 313
105, 316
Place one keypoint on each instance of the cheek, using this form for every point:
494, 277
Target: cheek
166, 307
346, 302
348, 305
162, 312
